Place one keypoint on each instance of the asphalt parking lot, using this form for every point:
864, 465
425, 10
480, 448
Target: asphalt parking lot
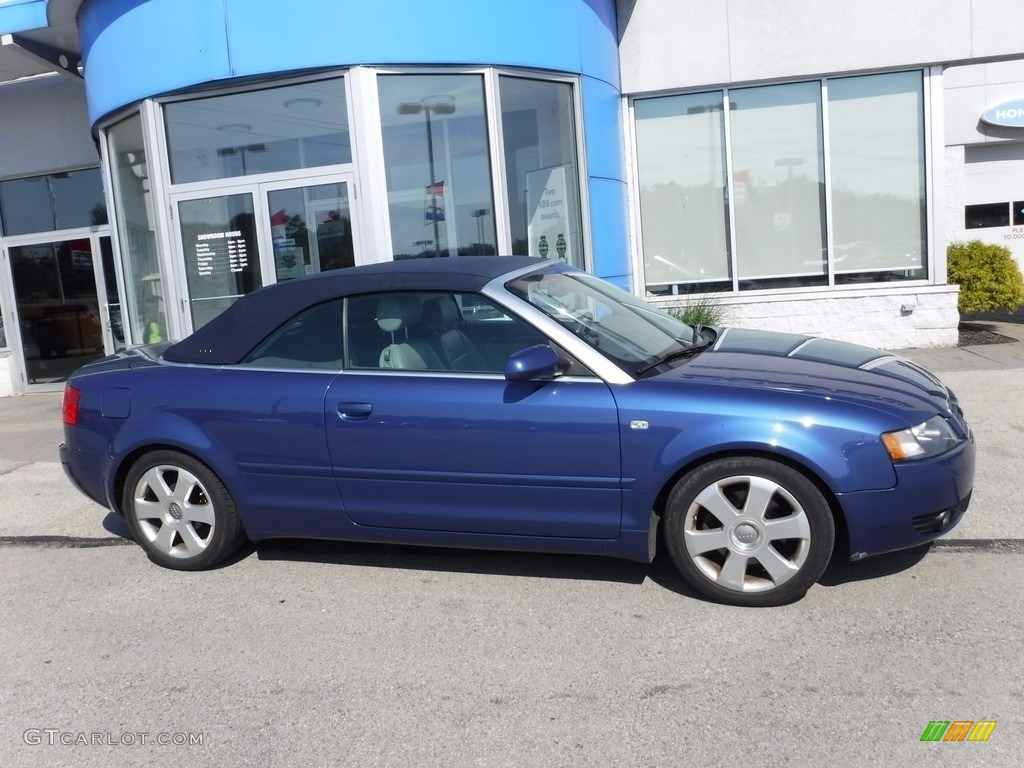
301, 653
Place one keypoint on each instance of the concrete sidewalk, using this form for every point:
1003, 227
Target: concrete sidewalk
36, 499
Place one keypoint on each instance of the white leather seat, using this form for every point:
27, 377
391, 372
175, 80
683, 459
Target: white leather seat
394, 316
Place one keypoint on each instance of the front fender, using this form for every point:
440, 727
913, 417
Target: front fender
844, 459
836, 442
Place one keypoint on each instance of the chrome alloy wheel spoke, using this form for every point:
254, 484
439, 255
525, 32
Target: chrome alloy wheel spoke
747, 535
169, 502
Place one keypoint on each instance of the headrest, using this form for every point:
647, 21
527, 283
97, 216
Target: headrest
398, 311
440, 314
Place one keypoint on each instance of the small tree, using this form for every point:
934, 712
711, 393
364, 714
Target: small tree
988, 276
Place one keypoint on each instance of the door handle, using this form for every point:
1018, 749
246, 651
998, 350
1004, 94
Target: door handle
354, 411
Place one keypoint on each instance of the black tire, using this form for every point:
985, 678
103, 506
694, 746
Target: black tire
776, 534
179, 512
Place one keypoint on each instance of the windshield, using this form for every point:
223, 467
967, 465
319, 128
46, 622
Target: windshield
628, 331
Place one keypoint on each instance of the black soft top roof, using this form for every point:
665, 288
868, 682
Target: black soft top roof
227, 338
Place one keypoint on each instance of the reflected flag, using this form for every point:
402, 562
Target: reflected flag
434, 203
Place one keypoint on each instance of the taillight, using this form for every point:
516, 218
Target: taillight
70, 410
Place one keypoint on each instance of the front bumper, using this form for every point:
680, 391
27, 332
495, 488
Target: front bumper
929, 499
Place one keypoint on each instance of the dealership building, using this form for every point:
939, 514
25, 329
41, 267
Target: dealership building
803, 164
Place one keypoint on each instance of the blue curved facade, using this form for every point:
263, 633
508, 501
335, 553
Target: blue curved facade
136, 49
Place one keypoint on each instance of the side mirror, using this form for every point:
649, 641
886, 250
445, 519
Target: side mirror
537, 362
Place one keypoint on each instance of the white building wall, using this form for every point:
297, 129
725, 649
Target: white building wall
6, 375
956, 185
991, 158
888, 319
971, 90
44, 127
687, 43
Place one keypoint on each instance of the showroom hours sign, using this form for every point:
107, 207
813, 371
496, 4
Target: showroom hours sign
220, 252
218, 236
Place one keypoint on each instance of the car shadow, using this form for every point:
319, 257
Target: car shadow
844, 571
453, 560
545, 565
115, 524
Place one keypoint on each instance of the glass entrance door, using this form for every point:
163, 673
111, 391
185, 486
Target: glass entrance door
311, 228
258, 234
221, 254
60, 323
113, 319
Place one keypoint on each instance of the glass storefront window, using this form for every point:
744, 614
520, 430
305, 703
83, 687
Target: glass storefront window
437, 165
683, 196
876, 127
538, 121
771, 139
276, 129
51, 202
276, 166
145, 321
986, 215
777, 152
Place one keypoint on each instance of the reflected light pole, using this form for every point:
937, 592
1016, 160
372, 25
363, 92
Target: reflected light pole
440, 105
478, 214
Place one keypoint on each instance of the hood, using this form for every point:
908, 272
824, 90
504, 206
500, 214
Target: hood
824, 368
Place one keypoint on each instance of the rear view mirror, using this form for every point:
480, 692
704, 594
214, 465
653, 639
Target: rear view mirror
537, 362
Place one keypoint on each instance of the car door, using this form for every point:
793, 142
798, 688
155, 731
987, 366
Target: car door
431, 448
269, 424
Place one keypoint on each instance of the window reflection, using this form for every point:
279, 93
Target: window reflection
778, 155
538, 124
145, 321
437, 165
311, 230
240, 134
775, 135
683, 195
878, 184
55, 291
54, 201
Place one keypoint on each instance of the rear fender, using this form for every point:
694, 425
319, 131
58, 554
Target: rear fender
154, 431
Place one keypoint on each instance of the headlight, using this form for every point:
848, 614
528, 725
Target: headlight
930, 438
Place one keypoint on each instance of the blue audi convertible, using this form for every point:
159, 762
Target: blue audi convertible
521, 404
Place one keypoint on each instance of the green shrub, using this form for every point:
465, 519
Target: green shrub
988, 276
700, 310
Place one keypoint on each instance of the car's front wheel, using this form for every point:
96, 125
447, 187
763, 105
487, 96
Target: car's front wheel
749, 531
179, 511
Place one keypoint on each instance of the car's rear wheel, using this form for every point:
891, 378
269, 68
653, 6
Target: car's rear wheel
179, 511
749, 531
